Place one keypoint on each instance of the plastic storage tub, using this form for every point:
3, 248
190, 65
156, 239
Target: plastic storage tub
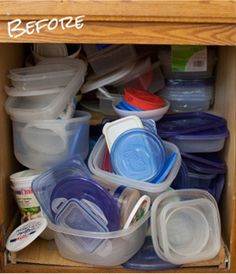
40, 144
114, 247
188, 95
109, 58
164, 55
95, 165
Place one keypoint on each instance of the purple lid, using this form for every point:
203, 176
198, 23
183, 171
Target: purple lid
209, 134
217, 186
210, 159
75, 187
203, 167
188, 122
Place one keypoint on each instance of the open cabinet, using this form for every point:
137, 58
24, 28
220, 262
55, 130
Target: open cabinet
159, 25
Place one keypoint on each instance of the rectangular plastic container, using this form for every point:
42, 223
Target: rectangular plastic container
188, 95
115, 247
40, 144
164, 54
41, 77
95, 165
200, 180
111, 58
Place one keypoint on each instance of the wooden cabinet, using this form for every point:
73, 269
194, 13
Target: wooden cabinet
116, 21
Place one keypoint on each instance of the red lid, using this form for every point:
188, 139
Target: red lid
143, 99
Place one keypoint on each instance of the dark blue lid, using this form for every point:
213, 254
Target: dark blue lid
189, 83
216, 187
182, 179
147, 259
75, 187
138, 154
188, 122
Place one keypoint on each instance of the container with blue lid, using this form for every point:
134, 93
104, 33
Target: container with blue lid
191, 122
138, 154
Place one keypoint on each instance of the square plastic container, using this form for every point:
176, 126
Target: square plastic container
95, 165
110, 58
115, 247
42, 76
164, 54
188, 95
40, 144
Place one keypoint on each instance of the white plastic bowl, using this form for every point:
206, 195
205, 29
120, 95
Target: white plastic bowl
155, 114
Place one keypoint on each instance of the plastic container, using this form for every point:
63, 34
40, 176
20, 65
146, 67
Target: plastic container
165, 57
188, 95
204, 141
95, 165
116, 247
199, 180
48, 106
41, 77
110, 58
174, 242
155, 114
105, 103
40, 144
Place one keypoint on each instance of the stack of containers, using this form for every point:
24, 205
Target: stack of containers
197, 135
46, 127
189, 72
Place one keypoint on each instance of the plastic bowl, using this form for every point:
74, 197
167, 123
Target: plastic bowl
155, 114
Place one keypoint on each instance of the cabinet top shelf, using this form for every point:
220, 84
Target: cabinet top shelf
218, 11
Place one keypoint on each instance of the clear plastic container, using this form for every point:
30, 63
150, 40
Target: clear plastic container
115, 247
40, 144
199, 200
191, 95
107, 59
105, 103
41, 77
95, 165
164, 54
45, 106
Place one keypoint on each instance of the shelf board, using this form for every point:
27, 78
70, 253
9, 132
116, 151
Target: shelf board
42, 252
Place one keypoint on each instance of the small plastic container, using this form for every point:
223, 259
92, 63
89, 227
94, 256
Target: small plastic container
164, 54
41, 77
115, 247
155, 114
180, 248
47, 105
204, 141
40, 144
95, 165
188, 95
110, 58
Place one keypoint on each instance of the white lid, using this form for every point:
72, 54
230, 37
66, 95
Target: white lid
25, 234
24, 176
94, 82
50, 50
113, 129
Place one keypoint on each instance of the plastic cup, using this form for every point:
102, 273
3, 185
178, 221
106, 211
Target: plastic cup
187, 231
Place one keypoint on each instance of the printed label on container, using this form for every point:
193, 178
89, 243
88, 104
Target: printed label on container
188, 58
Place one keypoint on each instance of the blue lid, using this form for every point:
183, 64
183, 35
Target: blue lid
138, 154
188, 122
182, 179
75, 187
169, 163
189, 83
216, 187
123, 105
147, 259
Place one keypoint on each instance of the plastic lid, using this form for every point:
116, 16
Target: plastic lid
181, 123
123, 105
147, 259
75, 187
94, 82
25, 234
138, 154
113, 129
143, 99
189, 83
50, 50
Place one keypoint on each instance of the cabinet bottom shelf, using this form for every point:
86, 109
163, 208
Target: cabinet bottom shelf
43, 256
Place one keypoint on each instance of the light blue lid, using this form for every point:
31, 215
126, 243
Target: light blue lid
138, 154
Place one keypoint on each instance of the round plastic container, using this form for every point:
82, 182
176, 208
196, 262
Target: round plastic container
174, 230
95, 165
40, 144
155, 114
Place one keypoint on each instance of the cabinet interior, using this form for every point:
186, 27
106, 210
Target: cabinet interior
12, 55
